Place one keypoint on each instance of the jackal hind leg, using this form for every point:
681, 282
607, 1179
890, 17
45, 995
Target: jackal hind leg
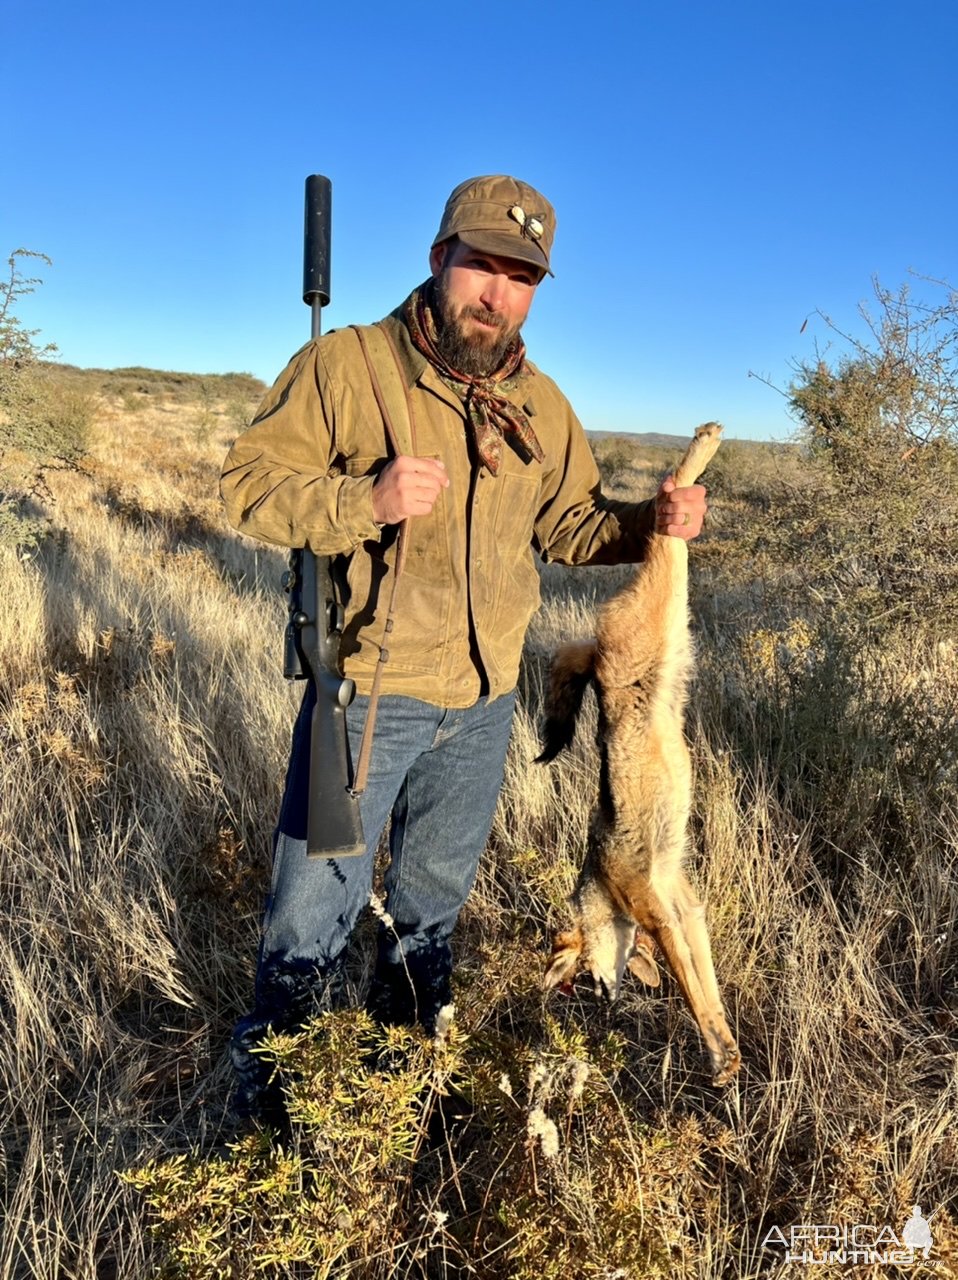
677, 921
699, 454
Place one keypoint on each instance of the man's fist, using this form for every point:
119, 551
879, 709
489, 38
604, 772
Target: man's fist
680, 512
407, 486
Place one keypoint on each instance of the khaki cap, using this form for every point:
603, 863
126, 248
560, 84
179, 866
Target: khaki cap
502, 216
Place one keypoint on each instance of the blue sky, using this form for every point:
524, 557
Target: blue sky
719, 172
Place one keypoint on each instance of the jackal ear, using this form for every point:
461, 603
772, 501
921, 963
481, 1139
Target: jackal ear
571, 671
642, 964
566, 950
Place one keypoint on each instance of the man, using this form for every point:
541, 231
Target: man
497, 467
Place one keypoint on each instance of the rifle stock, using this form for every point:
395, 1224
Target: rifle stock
334, 827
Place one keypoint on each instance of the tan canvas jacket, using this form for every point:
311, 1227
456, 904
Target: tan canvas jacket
302, 475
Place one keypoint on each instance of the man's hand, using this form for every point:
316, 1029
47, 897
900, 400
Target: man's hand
680, 512
407, 486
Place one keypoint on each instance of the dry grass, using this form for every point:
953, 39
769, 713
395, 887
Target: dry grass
143, 731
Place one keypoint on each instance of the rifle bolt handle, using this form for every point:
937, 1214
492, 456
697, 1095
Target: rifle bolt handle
347, 691
300, 619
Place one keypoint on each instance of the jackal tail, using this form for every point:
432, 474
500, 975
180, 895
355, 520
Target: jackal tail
569, 676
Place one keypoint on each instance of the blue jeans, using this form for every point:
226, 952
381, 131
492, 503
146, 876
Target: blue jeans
438, 773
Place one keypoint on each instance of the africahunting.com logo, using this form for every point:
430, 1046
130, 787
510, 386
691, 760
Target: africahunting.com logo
830, 1242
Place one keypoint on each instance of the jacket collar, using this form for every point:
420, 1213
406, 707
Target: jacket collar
414, 363
417, 368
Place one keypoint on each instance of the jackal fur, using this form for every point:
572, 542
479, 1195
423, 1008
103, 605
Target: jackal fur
632, 889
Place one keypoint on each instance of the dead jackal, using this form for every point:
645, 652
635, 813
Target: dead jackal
632, 875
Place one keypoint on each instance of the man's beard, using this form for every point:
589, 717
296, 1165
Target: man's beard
477, 355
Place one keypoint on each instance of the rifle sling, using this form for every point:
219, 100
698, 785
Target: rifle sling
402, 543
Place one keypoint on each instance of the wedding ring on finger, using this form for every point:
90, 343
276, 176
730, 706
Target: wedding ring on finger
685, 520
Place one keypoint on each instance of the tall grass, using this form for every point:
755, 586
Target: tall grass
143, 733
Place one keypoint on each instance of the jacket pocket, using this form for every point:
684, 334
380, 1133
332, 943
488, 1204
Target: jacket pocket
423, 600
363, 465
517, 590
516, 509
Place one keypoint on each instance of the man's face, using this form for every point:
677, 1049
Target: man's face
482, 302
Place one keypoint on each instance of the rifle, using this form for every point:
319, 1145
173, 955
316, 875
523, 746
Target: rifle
311, 651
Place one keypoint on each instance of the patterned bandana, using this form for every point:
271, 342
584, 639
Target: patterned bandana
490, 414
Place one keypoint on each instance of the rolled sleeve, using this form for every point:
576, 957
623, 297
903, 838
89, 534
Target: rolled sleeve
577, 523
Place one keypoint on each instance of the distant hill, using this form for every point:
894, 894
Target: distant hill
649, 439
186, 388
183, 388
657, 439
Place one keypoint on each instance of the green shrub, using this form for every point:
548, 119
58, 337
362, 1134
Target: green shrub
360, 1097
870, 534
529, 1170
43, 424
614, 457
